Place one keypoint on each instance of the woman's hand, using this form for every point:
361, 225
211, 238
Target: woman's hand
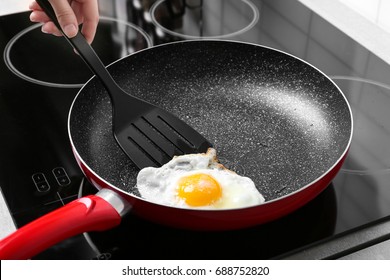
70, 14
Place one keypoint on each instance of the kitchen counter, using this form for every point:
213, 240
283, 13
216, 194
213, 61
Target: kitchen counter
13, 6
365, 32
6, 223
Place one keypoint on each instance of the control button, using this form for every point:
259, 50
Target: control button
43, 186
63, 181
61, 176
40, 182
38, 177
59, 172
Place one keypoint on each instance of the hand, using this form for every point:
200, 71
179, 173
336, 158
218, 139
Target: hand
70, 13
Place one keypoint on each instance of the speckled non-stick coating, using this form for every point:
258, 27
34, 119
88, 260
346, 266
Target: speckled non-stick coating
270, 116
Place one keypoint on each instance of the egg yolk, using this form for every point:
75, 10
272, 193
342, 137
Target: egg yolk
199, 189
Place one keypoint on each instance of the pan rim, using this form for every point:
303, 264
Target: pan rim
267, 202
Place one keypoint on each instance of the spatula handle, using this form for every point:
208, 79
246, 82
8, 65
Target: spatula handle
86, 52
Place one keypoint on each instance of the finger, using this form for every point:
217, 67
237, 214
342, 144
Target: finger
50, 28
39, 16
66, 17
89, 29
90, 12
34, 6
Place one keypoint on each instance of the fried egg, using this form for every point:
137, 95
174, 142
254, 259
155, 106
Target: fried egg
197, 181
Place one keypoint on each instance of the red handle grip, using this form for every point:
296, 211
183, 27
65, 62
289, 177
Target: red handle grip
90, 213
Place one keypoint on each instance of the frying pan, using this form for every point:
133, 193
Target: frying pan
270, 116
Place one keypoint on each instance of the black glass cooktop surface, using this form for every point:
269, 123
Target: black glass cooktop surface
40, 76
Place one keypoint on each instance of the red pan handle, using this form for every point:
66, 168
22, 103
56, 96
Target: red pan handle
90, 213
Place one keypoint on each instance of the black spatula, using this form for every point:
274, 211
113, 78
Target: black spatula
149, 135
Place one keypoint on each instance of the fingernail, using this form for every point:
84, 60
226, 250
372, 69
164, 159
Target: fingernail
33, 17
70, 30
44, 29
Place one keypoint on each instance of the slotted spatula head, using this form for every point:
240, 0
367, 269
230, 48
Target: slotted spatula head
149, 135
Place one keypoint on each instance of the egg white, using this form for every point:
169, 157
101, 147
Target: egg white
159, 185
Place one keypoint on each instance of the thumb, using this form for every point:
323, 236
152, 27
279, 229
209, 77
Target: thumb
66, 17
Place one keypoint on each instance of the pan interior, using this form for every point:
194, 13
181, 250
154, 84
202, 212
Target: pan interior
270, 116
